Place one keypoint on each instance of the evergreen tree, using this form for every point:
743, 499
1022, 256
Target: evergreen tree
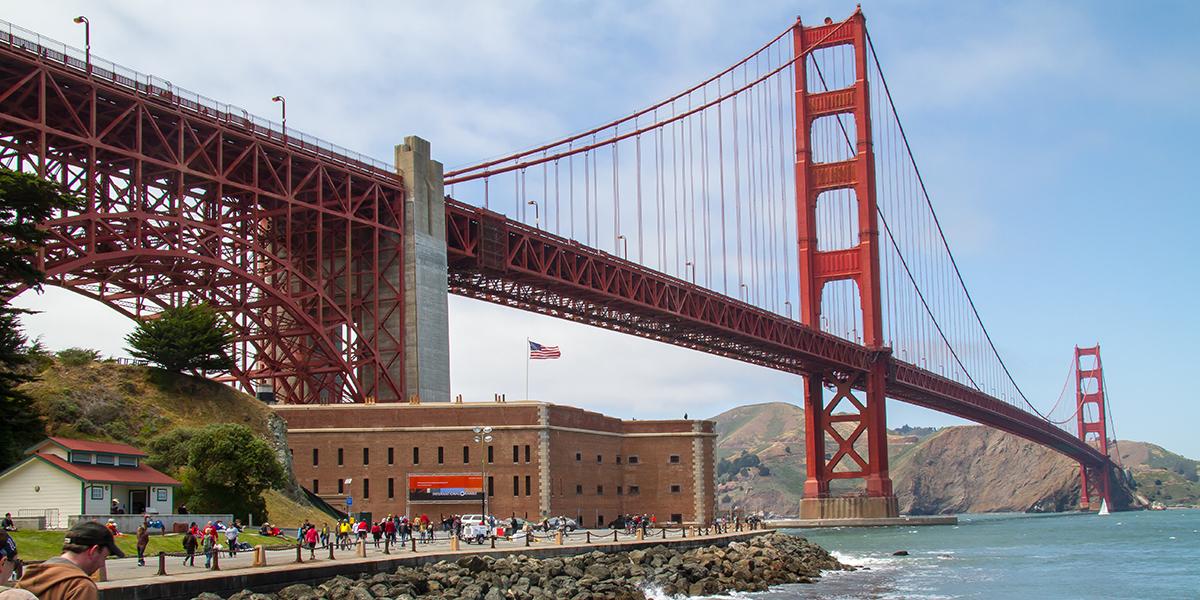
25, 201
181, 338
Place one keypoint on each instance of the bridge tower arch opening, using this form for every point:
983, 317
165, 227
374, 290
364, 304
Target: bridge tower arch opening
835, 157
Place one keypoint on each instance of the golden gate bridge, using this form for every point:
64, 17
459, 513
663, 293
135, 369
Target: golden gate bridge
773, 213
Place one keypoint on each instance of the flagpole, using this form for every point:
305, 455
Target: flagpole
526, 368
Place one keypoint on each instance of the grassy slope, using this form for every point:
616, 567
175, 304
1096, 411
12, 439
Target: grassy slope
1151, 463
132, 404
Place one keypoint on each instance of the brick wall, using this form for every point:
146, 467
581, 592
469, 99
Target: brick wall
592, 485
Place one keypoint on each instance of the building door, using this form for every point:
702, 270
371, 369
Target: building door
137, 502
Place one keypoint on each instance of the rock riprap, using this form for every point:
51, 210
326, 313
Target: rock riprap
748, 566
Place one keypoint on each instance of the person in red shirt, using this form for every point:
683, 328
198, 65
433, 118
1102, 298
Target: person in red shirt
389, 529
310, 538
376, 533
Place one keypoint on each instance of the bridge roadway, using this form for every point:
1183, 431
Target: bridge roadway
507, 262
490, 257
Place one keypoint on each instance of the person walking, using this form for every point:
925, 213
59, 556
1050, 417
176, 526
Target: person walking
143, 540
231, 537
189, 547
209, 548
69, 575
310, 540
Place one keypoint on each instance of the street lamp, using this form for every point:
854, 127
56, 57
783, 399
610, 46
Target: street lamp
624, 246
87, 40
745, 291
282, 105
690, 265
536, 212
483, 436
788, 304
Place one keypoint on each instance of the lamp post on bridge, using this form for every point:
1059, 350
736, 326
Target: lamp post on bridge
283, 106
624, 246
744, 290
87, 40
536, 214
690, 266
788, 305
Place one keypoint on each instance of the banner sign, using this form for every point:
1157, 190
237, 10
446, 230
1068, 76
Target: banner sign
445, 488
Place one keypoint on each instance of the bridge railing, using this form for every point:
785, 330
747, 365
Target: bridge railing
49, 49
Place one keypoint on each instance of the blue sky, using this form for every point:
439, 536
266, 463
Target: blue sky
1056, 139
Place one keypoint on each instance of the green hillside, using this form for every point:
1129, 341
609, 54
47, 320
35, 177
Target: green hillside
103, 400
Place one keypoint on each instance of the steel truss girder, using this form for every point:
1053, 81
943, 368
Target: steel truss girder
530, 269
181, 203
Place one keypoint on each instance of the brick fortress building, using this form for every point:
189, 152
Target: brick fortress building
544, 460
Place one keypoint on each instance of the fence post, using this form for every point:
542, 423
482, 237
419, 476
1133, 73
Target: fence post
493, 541
588, 536
641, 534
664, 533
299, 547
361, 550
330, 545
683, 531
385, 546
528, 534
413, 539
454, 543
162, 563
260, 557
216, 561
614, 536
558, 537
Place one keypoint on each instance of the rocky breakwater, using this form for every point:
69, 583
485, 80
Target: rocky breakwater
754, 565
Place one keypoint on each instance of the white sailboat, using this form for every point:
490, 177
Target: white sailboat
1103, 507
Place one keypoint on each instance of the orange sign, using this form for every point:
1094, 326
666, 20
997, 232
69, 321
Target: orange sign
445, 488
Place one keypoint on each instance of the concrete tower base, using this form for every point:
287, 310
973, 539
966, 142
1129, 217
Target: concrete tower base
855, 507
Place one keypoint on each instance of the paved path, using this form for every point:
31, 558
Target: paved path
126, 570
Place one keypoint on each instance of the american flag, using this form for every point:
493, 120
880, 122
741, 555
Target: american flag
538, 351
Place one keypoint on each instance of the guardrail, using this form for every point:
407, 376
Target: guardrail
49, 49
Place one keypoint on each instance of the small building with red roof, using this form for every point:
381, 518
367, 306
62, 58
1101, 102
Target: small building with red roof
62, 477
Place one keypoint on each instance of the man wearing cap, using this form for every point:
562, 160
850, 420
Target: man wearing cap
68, 576
8, 564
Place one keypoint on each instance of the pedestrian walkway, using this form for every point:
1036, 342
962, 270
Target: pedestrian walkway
125, 572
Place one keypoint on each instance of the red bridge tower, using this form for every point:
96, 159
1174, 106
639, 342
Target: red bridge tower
1090, 416
858, 263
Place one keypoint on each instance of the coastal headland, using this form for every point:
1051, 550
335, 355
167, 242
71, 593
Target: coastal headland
749, 561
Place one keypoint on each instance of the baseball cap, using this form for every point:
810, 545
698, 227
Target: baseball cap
93, 534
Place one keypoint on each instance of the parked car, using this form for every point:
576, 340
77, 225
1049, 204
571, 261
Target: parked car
562, 523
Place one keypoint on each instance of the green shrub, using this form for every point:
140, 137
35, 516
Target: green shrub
77, 357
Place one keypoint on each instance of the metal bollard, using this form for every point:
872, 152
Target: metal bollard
493, 541
683, 531
664, 533
162, 563
614, 536
588, 537
527, 536
299, 558
385, 546
414, 543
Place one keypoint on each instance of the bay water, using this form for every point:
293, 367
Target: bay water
1142, 554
